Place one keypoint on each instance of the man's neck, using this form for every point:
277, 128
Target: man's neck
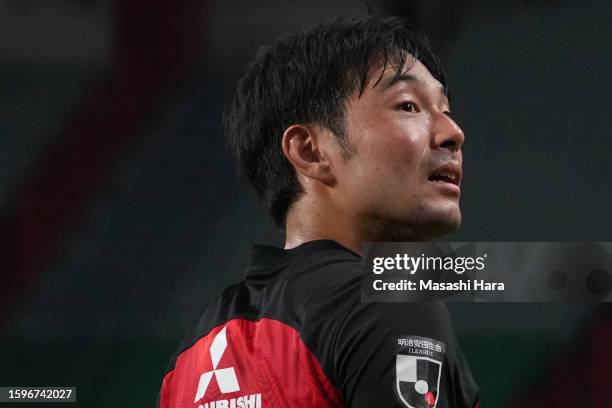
310, 221
304, 225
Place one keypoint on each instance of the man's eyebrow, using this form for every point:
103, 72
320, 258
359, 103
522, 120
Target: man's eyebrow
405, 77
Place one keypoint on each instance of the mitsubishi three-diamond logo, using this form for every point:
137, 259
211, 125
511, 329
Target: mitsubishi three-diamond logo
226, 377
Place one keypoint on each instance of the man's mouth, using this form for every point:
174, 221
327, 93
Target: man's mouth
447, 174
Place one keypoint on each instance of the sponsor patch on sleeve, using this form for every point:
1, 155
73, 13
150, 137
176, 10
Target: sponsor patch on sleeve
418, 368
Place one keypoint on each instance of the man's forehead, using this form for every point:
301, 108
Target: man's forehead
412, 71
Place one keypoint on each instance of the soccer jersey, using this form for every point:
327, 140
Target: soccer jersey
295, 333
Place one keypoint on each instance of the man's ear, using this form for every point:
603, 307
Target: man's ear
300, 146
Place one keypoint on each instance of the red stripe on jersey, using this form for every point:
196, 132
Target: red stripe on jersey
253, 364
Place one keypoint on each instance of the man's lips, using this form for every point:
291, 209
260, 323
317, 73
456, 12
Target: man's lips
448, 175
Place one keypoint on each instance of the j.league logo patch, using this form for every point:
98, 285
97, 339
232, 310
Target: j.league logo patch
418, 368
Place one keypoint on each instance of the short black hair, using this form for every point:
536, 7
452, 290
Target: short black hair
306, 78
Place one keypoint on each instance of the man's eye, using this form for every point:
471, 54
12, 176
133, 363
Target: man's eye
409, 107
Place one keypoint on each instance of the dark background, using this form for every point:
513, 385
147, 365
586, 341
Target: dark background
121, 215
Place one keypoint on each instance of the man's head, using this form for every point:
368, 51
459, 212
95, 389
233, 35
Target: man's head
359, 107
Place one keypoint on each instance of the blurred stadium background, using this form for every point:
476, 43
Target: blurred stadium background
121, 216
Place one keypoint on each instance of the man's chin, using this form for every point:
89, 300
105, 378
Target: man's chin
443, 223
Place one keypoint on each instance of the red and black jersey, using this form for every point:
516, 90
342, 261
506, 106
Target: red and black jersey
295, 333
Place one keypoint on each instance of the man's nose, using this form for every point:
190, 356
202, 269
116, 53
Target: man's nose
447, 133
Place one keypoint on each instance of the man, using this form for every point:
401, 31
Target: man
345, 131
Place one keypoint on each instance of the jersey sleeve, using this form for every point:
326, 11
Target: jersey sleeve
401, 355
